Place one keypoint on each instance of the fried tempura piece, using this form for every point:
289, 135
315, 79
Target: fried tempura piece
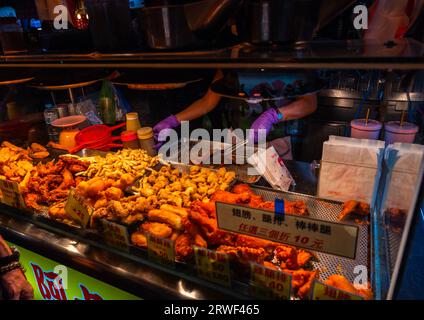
139, 239
157, 229
245, 254
167, 217
182, 212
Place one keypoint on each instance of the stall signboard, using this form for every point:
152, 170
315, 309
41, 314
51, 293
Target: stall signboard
266, 283
115, 234
161, 250
312, 234
321, 291
213, 266
78, 210
10, 194
54, 281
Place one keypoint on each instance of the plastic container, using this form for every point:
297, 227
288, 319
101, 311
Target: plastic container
146, 140
394, 132
133, 123
129, 140
360, 129
50, 115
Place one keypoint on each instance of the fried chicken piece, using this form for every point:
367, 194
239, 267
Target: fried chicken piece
139, 239
32, 200
242, 188
396, 218
167, 217
252, 242
287, 257
244, 254
114, 193
340, 282
58, 212
302, 281
354, 207
296, 207
228, 197
157, 229
303, 257
270, 265
183, 247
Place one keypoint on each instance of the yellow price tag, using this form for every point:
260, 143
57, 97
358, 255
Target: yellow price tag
115, 234
266, 283
161, 251
213, 266
322, 291
78, 210
11, 195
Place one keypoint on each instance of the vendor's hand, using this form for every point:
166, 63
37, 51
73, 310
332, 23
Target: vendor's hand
169, 123
16, 286
264, 122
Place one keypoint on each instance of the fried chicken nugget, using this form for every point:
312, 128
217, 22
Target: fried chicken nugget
167, 217
157, 229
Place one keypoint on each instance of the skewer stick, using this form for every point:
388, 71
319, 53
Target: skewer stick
402, 118
367, 117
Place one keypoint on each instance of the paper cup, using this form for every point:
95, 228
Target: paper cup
394, 132
360, 129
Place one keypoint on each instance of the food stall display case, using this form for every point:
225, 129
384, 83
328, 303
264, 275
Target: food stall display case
125, 272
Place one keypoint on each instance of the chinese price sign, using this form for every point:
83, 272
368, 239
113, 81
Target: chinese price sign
78, 211
322, 291
161, 251
266, 283
10, 194
312, 234
213, 266
115, 234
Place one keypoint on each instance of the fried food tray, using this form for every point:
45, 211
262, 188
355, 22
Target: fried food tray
327, 210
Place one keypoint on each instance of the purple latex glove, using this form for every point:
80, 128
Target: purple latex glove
166, 124
265, 122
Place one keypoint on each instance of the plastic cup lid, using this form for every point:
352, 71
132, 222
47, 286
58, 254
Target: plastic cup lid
361, 124
132, 116
406, 128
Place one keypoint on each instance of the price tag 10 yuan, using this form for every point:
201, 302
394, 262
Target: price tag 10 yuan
213, 266
10, 194
161, 251
115, 234
266, 283
322, 291
77, 210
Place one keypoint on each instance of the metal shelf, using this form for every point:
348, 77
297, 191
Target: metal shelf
355, 54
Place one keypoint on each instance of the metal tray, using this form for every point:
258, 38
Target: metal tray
327, 210
183, 168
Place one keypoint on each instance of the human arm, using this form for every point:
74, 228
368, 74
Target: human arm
298, 109
14, 282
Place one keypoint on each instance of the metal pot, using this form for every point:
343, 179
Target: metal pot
185, 25
278, 21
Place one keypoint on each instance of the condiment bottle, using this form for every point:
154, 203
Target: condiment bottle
129, 140
133, 124
146, 140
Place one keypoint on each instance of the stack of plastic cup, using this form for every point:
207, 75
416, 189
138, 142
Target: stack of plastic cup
363, 129
395, 132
